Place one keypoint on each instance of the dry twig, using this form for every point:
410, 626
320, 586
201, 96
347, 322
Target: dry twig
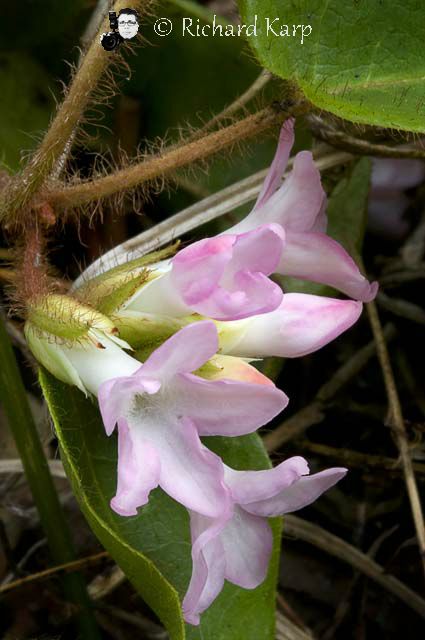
322, 539
398, 426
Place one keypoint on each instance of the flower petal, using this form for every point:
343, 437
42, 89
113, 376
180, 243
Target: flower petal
298, 495
228, 407
299, 201
251, 486
208, 567
316, 257
138, 471
302, 324
116, 395
185, 351
97, 364
248, 543
397, 173
274, 177
190, 473
226, 277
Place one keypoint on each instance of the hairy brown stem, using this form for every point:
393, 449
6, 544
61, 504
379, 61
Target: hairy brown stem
171, 160
26, 185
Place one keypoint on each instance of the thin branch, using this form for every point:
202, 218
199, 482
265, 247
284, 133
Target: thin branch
341, 140
67, 567
297, 424
238, 104
401, 308
14, 465
287, 630
399, 427
357, 459
196, 215
393, 279
167, 162
322, 539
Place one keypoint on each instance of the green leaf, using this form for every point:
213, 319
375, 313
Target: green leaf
362, 60
347, 208
347, 213
153, 548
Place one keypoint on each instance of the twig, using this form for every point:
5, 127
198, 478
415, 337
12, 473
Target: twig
357, 459
402, 308
341, 140
14, 465
399, 428
313, 413
164, 163
101, 586
322, 539
238, 104
22, 562
194, 216
393, 279
86, 39
149, 628
288, 612
287, 630
67, 567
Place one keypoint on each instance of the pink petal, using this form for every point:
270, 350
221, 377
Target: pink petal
248, 543
300, 200
397, 173
231, 368
208, 567
259, 251
198, 268
226, 277
190, 473
316, 257
185, 351
302, 324
298, 495
277, 168
228, 407
113, 396
138, 471
251, 486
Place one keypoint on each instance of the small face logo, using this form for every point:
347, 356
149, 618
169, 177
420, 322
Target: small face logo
127, 24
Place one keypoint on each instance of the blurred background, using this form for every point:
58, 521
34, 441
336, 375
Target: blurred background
171, 86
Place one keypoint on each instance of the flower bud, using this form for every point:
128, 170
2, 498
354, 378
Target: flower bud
59, 325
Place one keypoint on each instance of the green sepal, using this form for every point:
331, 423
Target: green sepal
108, 292
67, 318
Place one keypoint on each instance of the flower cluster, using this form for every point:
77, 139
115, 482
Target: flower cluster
194, 321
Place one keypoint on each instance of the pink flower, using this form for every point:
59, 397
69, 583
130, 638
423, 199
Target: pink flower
238, 547
224, 277
301, 324
163, 408
299, 206
391, 177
